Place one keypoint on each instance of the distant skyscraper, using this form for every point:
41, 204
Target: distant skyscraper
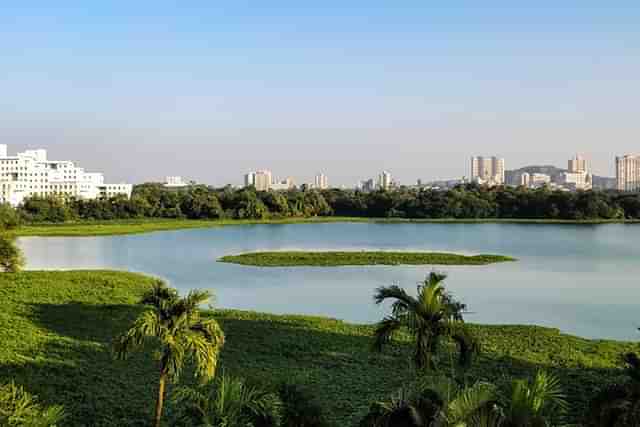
578, 164
321, 182
385, 180
628, 173
263, 180
250, 179
487, 170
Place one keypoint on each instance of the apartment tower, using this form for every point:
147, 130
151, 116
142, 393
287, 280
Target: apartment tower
628, 173
487, 170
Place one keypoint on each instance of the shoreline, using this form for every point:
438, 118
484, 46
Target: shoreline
126, 227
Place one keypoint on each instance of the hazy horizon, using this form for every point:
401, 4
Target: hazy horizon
143, 90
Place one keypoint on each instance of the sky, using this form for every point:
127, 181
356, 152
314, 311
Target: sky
212, 89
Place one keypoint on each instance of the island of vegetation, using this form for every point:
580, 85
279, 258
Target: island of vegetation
346, 258
58, 328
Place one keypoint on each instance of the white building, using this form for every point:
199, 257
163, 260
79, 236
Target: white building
487, 170
30, 174
250, 179
628, 173
285, 184
577, 180
385, 181
321, 182
175, 182
534, 180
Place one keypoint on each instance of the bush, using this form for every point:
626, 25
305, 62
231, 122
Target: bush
19, 408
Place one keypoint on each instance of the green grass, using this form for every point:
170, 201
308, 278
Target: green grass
119, 227
332, 259
56, 329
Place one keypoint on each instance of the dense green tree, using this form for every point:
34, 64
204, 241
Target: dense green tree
175, 325
429, 318
11, 258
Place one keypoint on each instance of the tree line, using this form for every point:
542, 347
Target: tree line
462, 202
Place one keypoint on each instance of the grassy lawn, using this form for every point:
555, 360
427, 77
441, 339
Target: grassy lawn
332, 259
118, 227
56, 329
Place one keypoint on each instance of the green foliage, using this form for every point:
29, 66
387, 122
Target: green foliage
56, 330
9, 217
20, 409
618, 405
175, 325
226, 402
440, 402
11, 257
329, 259
537, 402
300, 407
429, 317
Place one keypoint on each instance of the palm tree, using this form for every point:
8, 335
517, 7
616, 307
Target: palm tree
227, 402
533, 403
441, 404
429, 317
174, 323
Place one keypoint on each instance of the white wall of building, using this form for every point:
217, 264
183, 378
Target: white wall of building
30, 173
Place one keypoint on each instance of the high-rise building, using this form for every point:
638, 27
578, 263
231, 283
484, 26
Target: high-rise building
250, 179
30, 173
385, 181
263, 180
628, 173
487, 170
321, 182
578, 164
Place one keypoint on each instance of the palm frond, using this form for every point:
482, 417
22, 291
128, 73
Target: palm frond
396, 292
385, 329
472, 401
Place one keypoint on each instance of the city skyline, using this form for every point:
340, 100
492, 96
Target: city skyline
209, 90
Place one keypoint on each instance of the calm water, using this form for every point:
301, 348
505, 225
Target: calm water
582, 279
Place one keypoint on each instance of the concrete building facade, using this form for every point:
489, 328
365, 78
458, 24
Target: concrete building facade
30, 173
487, 170
628, 173
321, 182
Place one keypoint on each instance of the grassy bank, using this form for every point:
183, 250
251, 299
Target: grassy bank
56, 329
119, 227
332, 259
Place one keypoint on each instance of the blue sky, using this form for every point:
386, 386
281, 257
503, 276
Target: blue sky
144, 89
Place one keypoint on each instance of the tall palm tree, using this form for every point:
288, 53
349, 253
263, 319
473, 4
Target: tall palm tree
227, 402
442, 403
534, 403
174, 324
430, 316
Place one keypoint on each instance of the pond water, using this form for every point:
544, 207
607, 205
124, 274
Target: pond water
582, 279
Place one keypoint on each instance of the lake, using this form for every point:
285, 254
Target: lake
582, 279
